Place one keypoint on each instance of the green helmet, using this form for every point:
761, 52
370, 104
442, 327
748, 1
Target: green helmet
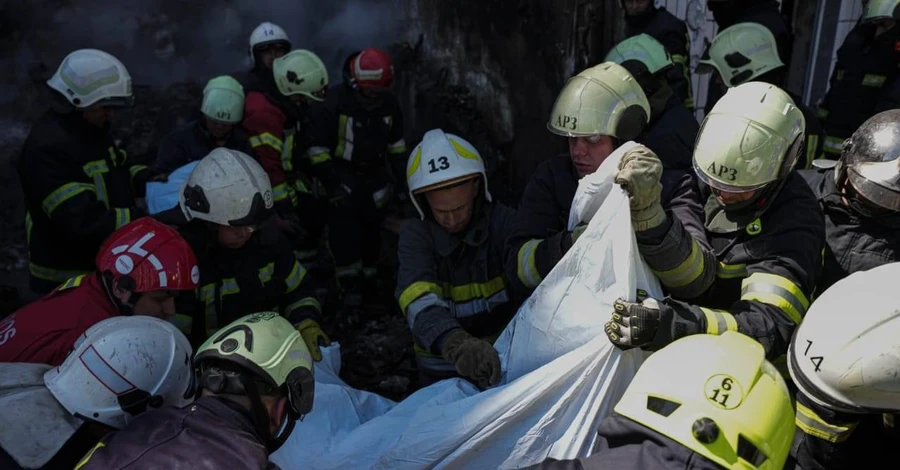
644, 49
741, 53
605, 100
301, 72
881, 9
223, 100
750, 138
255, 355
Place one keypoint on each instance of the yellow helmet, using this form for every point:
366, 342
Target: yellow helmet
717, 396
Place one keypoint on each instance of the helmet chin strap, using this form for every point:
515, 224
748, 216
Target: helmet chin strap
125, 308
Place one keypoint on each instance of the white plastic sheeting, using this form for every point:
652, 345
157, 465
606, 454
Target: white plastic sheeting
561, 374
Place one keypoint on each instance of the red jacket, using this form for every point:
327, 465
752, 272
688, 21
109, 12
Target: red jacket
45, 331
264, 124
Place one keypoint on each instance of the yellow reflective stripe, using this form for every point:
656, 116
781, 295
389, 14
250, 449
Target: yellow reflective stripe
305, 302
527, 268
182, 322
719, 321
685, 273
320, 158
280, 192
266, 272
731, 271
287, 153
50, 274
812, 144
95, 170
135, 169
777, 291
123, 217
305, 256
811, 424
463, 151
397, 147
95, 167
833, 145
63, 194
416, 290
229, 286
292, 282
887, 419
344, 147
267, 139
207, 295
73, 282
88, 456
414, 163
352, 269
475, 290
873, 80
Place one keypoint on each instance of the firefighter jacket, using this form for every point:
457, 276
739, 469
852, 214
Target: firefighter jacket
863, 76
540, 237
261, 275
673, 35
45, 331
79, 188
193, 142
766, 271
448, 281
853, 242
281, 133
211, 434
626, 445
814, 144
672, 135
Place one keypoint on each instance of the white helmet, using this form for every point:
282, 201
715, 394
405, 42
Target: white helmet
440, 160
223, 100
122, 366
89, 76
228, 187
267, 33
846, 353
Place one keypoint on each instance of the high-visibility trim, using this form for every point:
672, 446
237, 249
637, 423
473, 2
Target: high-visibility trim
344, 147
306, 256
351, 270
280, 192
777, 291
299, 186
462, 151
305, 302
381, 197
318, 155
287, 153
422, 303
63, 194
479, 305
414, 162
267, 139
474, 290
88, 456
95, 171
266, 272
182, 322
135, 169
682, 61
123, 216
416, 290
53, 275
229, 286
731, 271
397, 147
811, 424
527, 268
874, 81
73, 282
833, 145
207, 295
719, 321
812, 144
685, 273
292, 282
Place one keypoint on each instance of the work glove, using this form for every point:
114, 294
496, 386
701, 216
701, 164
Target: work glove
339, 196
313, 336
639, 174
474, 358
634, 324
579, 229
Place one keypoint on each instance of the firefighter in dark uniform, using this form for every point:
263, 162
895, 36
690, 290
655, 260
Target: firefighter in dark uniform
642, 17
597, 110
79, 186
866, 68
728, 13
451, 285
365, 139
748, 52
673, 129
223, 110
246, 264
703, 403
762, 220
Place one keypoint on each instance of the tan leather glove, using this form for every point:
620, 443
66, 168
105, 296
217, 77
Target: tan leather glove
474, 358
639, 174
314, 337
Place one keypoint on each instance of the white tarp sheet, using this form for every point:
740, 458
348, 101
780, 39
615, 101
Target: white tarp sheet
561, 374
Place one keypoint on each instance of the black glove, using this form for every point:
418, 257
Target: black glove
634, 324
474, 358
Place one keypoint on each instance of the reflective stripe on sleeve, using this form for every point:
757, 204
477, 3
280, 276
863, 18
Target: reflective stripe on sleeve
63, 194
719, 321
527, 268
777, 291
811, 424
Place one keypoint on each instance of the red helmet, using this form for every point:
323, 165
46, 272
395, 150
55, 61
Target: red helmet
372, 69
150, 254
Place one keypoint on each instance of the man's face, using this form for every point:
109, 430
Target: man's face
588, 153
217, 129
452, 207
268, 53
636, 7
98, 115
727, 198
159, 304
234, 237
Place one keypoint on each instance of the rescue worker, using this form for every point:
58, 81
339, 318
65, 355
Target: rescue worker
245, 262
672, 129
268, 41
704, 403
747, 52
256, 381
643, 17
365, 137
597, 110
140, 267
79, 186
867, 65
52, 416
846, 374
728, 13
860, 197
451, 285
223, 110
762, 220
